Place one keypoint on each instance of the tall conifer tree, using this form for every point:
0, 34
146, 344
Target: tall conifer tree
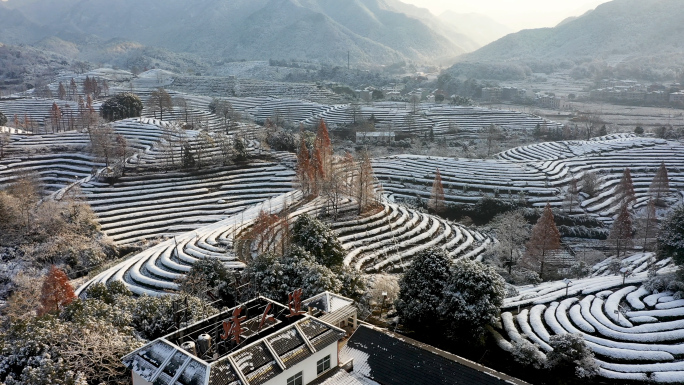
544, 238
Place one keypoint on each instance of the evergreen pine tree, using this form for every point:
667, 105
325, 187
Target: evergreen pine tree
472, 297
319, 240
239, 150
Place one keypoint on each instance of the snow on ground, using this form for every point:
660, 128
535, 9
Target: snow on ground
632, 331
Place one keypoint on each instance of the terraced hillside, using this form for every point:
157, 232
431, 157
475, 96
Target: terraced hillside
142, 206
446, 121
635, 333
539, 173
64, 158
230, 86
387, 240
383, 242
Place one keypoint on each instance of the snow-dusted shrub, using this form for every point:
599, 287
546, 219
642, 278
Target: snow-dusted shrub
209, 274
280, 140
421, 289
571, 356
658, 283
316, 238
152, 317
511, 291
84, 343
671, 237
521, 276
274, 277
108, 293
472, 298
527, 354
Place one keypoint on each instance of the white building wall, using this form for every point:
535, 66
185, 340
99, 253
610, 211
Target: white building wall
307, 367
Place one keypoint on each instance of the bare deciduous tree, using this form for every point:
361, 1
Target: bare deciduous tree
103, 143
511, 231
159, 101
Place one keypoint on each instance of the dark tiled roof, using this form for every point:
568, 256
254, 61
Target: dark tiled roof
395, 361
327, 338
222, 374
313, 328
252, 358
293, 357
264, 373
285, 341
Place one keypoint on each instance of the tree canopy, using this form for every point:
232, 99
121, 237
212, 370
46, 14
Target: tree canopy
122, 106
56, 292
3, 119
571, 357
421, 289
472, 297
316, 238
160, 101
544, 238
671, 236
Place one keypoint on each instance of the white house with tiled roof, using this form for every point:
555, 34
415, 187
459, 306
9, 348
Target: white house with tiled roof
261, 342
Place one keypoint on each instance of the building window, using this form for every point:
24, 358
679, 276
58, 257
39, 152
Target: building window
323, 365
295, 380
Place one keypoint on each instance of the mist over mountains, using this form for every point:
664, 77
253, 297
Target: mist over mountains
620, 27
370, 31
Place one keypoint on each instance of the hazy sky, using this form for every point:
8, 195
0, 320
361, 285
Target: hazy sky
517, 14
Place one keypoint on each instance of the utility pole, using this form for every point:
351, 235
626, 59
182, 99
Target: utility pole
348, 60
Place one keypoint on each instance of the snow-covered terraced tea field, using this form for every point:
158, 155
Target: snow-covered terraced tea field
64, 158
142, 206
387, 240
542, 172
445, 121
222, 86
155, 270
384, 241
635, 334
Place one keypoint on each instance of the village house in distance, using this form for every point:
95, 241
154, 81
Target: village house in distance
263, 342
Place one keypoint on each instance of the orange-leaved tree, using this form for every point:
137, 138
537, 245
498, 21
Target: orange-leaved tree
324, 145
621, 233
56, 292
436, 202
545, 238
625, 190
660, 185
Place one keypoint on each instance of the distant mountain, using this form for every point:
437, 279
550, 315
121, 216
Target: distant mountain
480, 28
371, 31
635, 28
466, 38
15, 27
